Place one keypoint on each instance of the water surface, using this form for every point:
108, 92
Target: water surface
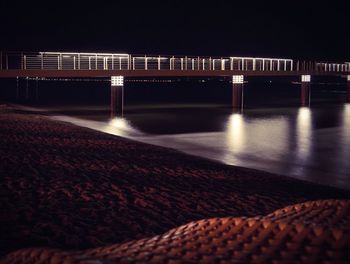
311, 144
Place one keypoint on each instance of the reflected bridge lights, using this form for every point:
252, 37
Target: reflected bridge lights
235, 132
346, 121
304, 133
119, 123
118, 126
121, 127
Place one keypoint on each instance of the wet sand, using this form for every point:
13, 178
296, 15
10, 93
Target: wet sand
67, 187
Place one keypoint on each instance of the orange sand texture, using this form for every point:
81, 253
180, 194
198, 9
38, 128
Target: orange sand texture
70, 190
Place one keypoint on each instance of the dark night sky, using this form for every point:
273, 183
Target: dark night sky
289, 29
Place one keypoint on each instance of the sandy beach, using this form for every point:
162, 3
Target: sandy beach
72, 188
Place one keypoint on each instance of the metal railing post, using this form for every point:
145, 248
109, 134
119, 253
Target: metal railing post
112, 62
263, 65
42, 61
95, 61
172, 63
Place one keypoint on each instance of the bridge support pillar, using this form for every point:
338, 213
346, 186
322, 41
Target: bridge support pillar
237, 92
27, 90
22, 90
117, 96
17, 89
348, 90
305, 90
36, 90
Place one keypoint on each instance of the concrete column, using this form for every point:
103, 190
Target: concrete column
37, 89
17, 88
348, 90
237, 92
117, 96
305, 90
27, 89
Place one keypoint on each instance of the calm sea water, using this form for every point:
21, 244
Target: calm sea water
311, 144
272, 134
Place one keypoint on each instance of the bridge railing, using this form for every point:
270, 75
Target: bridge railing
115, 61
186, 63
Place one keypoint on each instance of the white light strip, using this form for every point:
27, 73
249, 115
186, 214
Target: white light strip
237, 79
153, 58
258, 58
117, 80
306, 78
348, 77
83, 53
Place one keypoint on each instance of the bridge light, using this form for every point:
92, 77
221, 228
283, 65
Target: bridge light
117, 80
237, 79
306, 78
348, 77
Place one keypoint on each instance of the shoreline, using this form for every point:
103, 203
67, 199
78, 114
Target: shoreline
168, 141
70, 187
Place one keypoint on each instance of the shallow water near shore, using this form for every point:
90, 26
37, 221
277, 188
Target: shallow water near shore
311, 144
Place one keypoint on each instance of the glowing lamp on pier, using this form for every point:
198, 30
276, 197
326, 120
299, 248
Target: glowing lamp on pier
306, 78
117, 80
237, 79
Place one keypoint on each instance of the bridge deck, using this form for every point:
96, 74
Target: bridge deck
67, 64
156, 73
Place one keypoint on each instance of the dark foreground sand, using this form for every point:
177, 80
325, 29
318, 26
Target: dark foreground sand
67, 187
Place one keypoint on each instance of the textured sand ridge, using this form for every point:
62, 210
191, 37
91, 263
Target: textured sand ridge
311, 232
72, 188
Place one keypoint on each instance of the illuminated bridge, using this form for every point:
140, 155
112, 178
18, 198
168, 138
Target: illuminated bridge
117, 66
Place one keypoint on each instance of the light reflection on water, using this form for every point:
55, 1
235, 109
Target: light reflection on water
235, 133
306, 143
303, 138
346, 121
121, 127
